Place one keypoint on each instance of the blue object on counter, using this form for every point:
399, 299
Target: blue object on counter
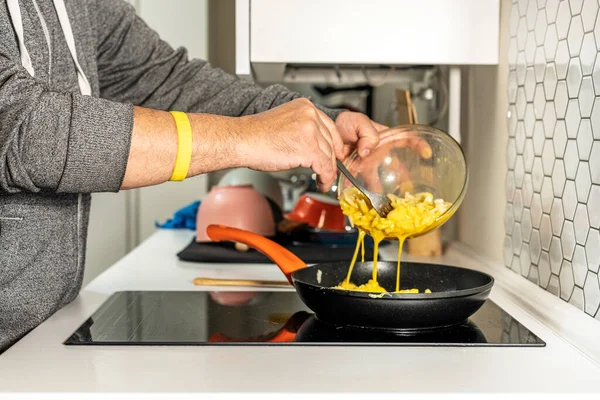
184, 218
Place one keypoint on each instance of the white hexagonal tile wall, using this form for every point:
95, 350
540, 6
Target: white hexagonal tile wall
529, 120
588, 14
563, 20
516, 238
541, 26
547, 194
511, 154
560, 139
535, 246
594, 209
509, 219
566, 280
561, 99
533, 276
525, 261
513, 86
522, 34
591, 291
518, 205
576, 6
585, 139
572, 118
575, 36
528, 156
550, 81
531, 15
583, 181
571, 158
514, 20
556, 255
508, 251
546, 232
596, 31
520, 137
567, 240
512, 120
579, 265
586, 97
537, 174
513, 52
526, 227
593, 250
539, 101
530, 50
544, 270
577, 298
536, 211
595, 163
595, 119
588, 54
538, 138
550, 43
581, 223
549, 119
519, 171
569, 200
510, 186
557, 217
530, 83
554, 285
521, 68
558, 177
551, 10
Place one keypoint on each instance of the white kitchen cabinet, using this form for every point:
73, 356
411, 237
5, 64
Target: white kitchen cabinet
272, 35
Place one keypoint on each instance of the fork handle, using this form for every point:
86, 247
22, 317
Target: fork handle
348, 175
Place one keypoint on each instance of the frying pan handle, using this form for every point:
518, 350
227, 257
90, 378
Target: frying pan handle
287, 261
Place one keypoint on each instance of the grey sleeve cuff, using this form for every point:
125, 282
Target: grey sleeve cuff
98, 148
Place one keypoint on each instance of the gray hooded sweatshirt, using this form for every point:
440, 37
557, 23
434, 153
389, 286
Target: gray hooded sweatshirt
70, 73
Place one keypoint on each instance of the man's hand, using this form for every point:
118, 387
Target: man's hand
358, 131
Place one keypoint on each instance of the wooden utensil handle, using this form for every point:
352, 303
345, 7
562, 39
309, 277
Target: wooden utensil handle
239, 282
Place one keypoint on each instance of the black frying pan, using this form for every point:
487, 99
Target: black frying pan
456, 292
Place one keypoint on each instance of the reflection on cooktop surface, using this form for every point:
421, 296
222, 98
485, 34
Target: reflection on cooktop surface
269, 318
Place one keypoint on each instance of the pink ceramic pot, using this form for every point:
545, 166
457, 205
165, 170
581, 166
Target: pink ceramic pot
237, 206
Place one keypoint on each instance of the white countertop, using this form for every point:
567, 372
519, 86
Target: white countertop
39, 362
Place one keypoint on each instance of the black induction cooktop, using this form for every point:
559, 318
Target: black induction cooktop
269, 318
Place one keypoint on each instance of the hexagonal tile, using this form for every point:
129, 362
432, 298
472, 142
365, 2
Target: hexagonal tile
530, 50
550, 43
516, 264
541, 4
509, 219
538, 138
546, 232
547, 195
569, 200
572, 118
533, 277
585, 139
544, 270
596, 31
525, 260
561, 100
518, 205
510, 185
554, 285
529, 84
512, 120
541, 25
591, 291
556, 255
549, 119
527, 190
595, 163
586, 97
594, 211
571, 158
528, 155
595, 119
512, 87
583, 181
563, 20
537, 174
519, 171
535, 246
522, 4
521, 68
550, 81
567, 240
521, 34
562, 59
521, 103
514, 21
520, 137
507, 253
539, 101
579, 265
574, 76
536, 211
582, 224
529, 120
588, 14
551, 10
575, 36
511, 154
577, 299
576, 6
560, 139
588, 54
592, 246
516, 238
566, 280
558, 178
531, 15
526, 225
557, 217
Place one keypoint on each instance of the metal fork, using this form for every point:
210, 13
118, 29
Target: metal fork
381, 203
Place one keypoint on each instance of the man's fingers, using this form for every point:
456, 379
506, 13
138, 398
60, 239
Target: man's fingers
336, 138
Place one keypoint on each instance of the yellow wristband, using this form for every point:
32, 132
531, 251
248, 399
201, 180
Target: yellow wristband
184, 146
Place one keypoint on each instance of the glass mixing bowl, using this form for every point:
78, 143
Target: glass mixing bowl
413, 159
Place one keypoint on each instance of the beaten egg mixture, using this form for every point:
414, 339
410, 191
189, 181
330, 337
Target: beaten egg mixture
411, 215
